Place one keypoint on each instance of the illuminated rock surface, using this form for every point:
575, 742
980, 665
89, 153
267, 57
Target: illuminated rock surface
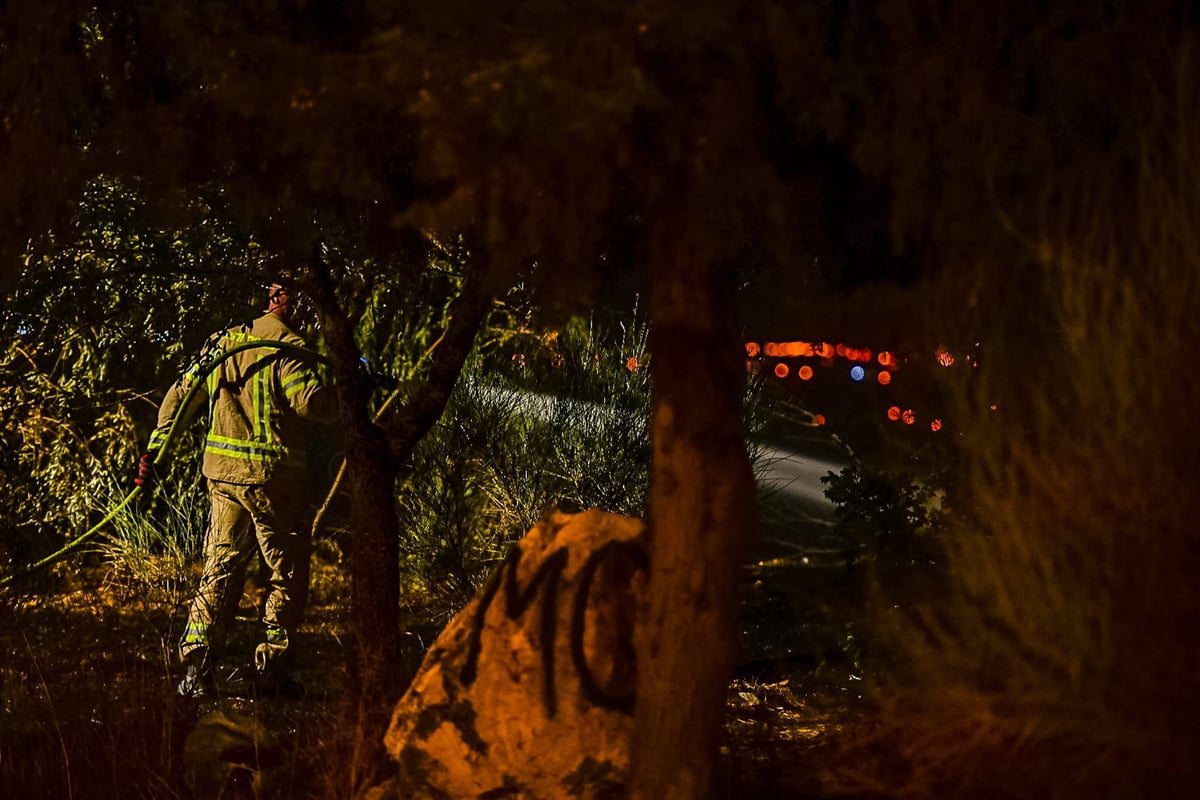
529, 691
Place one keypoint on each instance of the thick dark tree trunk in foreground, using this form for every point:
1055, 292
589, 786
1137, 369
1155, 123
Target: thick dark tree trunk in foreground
374, 564
701, 512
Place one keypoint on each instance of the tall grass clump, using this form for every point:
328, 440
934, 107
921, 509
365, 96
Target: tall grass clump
1062, 660
151, 553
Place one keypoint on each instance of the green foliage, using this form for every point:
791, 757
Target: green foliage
107, 309
139, 289
587, 413
561, 421
890, 518
54, 466
399, 308
890, 527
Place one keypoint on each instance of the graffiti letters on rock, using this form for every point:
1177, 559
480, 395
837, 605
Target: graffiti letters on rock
530, 689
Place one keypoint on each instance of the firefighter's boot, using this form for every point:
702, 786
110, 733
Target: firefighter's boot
199, 677
270, 659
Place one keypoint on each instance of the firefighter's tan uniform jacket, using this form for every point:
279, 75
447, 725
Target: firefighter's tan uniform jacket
255, 398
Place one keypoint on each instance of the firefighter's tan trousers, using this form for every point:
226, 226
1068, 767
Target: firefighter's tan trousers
242, 517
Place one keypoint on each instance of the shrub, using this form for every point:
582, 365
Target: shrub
553, 421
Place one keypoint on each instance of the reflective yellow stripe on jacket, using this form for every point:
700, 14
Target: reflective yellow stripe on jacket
245, 449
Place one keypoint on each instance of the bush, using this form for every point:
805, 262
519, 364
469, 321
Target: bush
890, 519
557, 421
103, 309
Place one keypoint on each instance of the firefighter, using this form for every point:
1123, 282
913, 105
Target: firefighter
254, 465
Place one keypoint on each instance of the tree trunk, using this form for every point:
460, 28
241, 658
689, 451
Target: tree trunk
374, 550
375, 460
406, 428
701, 514
374, 554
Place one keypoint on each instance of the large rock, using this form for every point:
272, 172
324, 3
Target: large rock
529, 691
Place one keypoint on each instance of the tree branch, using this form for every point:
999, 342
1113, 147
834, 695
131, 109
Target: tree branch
410, 424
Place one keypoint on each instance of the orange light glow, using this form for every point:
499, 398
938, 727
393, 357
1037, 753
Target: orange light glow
936, 425
908, 416
841, 350
884, 377
771, 349
752, 349
945, 358
894, 413
887, 358
805, 372
781, 370
631, 364
819, 419
825, 350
